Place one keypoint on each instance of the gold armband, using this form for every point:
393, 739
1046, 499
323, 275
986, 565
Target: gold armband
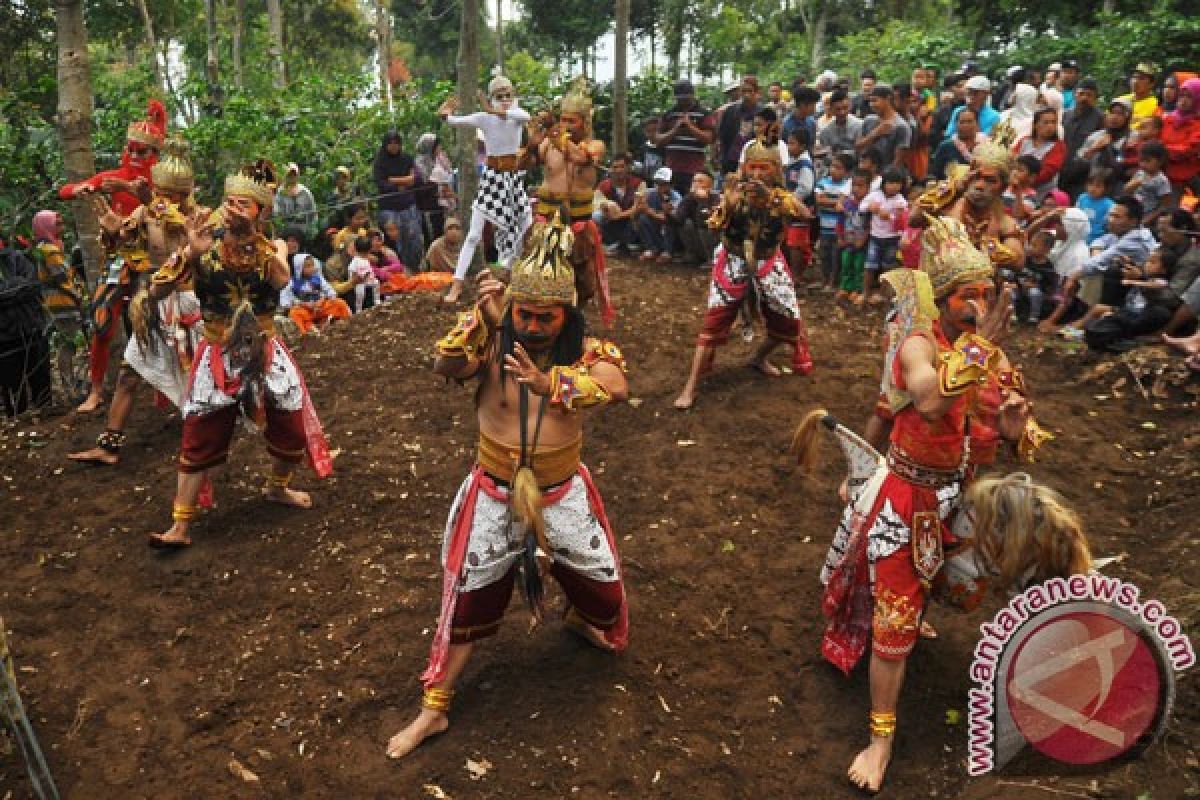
597, 350
966, 365
934, 200
1013, 380
573, 388
469, 338
1031, 439
1001, 255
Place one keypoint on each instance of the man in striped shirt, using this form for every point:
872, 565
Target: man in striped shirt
684, 133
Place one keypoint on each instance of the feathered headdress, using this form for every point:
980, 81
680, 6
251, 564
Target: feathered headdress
151, 130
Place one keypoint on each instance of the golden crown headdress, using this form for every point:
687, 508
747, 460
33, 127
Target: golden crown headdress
578, 100
996, 152
545, 275
256, 180
173, 171
949, 258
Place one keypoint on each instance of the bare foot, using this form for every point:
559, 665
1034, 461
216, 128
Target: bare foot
1188, 344
452, 295
289, 497
589, 633
92, 403
428, 723
766, 368
867, 770
685, 400
97, 455
174, 538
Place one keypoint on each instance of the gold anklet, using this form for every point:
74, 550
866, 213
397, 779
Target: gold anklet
883, 723
279, 481
437, 699
184, 513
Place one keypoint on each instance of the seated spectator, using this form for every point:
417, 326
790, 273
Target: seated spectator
1020, 198
363, 275
1107, 147
1037, 279
1150, 184
958, 148
615, 215
385, 263
309, 300
1178, 231
1045, 144
1155, 293
1181, 137
655, 210
443, 253
357, 224
1095, 203
691, 220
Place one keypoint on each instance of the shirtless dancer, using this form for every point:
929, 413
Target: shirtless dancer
529, 506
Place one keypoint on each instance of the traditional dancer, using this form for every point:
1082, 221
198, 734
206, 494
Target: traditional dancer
752, 218
893, 538
974, 197
240, 365
501, 198
529, 505
129, 266
571, 159
167, 331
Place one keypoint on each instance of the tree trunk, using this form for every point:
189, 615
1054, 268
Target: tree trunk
383, 33
75, 123
816, 38
468, 85
152, 43
500, 34
239, 32
212, 62
275, 17
620, 121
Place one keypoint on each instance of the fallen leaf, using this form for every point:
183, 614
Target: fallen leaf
435, 791
239, 771
1149, 426
478, 769
727, 546
685, 442
664, 705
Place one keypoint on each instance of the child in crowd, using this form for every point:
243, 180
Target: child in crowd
829, 194
852, 237
363, 274
799, 177
889, 215
1096, 203
1020, 198
308, 298
384, 261
910, 240
872, 162
1150, 184
1037, 279
1054, 200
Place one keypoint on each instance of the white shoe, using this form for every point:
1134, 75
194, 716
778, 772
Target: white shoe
610, 249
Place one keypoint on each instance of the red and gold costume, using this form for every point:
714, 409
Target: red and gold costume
894, 536
144, 140
482, 549
748, 264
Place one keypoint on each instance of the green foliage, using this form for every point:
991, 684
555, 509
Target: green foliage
531, 77
896, 48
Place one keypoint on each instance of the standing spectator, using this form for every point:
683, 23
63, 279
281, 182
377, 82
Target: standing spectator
24, 353
64, 290
737, 125
889, 214
852, 238
957, 150
733, 96
861, 105
1170, 93
914, 158
978, 94
655, 218
775, 100
615, 214
1068, 82
1044, 144
799, 177
345, 193
652, 155
294, 203
396, 177
1106, 147
684, 134
691, 219
953, 96
765, 130
1020, 116
1079, 123
842, 130
803, 114
830, 191
1181, 137
884, 130
1142, 100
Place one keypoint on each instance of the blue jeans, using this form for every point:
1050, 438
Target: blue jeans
412, 240
656, 236
881, 253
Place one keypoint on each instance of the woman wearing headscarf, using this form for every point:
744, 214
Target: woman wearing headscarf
308, 298
1181, 137
396, 179
435, 167
1020, 116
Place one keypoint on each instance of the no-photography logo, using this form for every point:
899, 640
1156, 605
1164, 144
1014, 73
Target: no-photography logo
1079, 668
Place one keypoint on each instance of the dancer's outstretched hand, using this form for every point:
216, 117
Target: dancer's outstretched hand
521, 366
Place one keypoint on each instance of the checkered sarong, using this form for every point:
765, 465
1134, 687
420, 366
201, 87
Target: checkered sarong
502, 201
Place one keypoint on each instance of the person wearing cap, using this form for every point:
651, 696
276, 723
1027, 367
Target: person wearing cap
1142, 100
294, 203
1079, 123
684, 134
655, 218
979, 91
1067, 82
737, 125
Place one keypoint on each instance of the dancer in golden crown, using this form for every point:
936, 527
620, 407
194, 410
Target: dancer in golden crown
528, 506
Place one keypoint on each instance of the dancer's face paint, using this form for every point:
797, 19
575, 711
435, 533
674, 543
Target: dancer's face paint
967, 305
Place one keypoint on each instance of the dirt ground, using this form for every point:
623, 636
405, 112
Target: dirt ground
291, 641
